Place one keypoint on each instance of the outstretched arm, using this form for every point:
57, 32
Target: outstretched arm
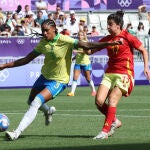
19, 62
92, 47
97, 46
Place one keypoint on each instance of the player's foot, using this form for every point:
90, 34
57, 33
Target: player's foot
70, 94
116, 124
93, 93
102, 135
48, 115
11, 136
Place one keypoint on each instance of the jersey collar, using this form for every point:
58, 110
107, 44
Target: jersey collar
55, 38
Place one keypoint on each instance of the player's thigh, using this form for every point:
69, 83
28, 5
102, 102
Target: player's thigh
46, 93
87, 71
37, 87
102, 93
33, 93
87, 75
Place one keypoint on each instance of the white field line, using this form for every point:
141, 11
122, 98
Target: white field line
87, 115
90, 110
83, 115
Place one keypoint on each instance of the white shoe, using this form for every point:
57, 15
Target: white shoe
102, 135
116, 124
11, 136
48, 115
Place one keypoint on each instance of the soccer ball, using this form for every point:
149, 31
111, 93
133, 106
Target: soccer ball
4, 122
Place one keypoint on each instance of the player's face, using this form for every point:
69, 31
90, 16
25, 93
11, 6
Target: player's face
48, 32
112, 27
80, 36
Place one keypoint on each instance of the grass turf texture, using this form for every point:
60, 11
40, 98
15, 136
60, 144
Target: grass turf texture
77, 121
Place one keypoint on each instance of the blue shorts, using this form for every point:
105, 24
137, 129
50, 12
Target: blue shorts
53, 86
83, 67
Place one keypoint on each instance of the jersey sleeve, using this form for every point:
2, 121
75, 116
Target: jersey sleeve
134, 41
38, 49
69, 40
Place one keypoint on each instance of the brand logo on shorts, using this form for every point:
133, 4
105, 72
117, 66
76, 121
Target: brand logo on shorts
56, 86
124, 3
4, 75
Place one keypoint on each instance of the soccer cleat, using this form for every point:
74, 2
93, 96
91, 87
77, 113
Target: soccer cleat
11, 136
116, 124
102, 135
70, 94
48, 115
93, 93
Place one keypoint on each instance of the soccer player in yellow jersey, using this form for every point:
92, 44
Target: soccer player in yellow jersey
82, 63
55, 72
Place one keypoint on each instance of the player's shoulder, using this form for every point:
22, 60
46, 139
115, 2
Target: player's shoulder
66, 39
106, 38
43, 41
126, 34
61, 36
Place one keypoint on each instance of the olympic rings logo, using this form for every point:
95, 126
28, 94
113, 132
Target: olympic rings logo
4, 75
124, 3
20, 41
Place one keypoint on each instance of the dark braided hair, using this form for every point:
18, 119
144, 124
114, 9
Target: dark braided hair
50, 22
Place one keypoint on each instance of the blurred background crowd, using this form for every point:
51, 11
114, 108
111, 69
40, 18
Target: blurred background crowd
24, 21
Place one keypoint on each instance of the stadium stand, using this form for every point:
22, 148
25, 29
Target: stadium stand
99, 19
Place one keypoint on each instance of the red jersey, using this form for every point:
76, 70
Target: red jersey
121, 56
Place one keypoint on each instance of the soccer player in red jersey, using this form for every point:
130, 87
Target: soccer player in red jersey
118, 79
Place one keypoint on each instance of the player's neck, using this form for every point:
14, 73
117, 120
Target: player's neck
117, 33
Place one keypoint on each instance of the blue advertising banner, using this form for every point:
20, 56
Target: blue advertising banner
14, 48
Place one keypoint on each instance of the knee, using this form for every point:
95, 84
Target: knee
99, 102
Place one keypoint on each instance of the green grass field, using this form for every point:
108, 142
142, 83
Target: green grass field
77, 121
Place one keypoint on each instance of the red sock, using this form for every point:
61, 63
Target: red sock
109, 118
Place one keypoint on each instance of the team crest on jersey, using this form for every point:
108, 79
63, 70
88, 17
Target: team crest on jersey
115, 49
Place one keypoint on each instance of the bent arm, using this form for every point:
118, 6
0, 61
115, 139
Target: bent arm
20, 62
145, 59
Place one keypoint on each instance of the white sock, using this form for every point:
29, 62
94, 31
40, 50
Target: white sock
91, 83
29, 116
73, 87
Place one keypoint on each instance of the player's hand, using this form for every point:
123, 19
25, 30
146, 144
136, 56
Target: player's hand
89, 52
147, 73
1, 67
116, 43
